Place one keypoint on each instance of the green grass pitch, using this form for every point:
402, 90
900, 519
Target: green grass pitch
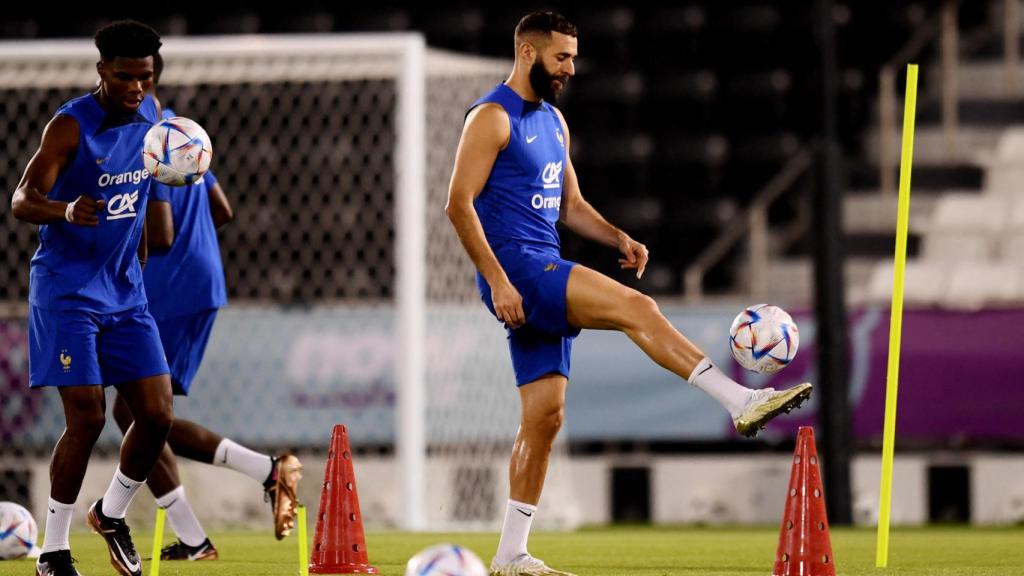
626, 551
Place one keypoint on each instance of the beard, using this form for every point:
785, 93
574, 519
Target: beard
548, 86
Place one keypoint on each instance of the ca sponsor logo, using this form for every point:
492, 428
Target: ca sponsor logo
134, 177
122, 206
552, 175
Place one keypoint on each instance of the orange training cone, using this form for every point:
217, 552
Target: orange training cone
804, 545
339, 546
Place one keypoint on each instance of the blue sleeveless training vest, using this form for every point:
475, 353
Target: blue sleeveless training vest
522, 196
96, 269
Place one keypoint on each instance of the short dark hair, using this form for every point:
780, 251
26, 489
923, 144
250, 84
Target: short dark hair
544, 21
128, 39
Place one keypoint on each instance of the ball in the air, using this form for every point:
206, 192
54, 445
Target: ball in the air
764, 338
177, 151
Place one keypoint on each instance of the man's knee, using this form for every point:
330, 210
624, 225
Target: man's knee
546, 422
159, 416
87, 423
151, 403
640, 308
84, 411
156, 414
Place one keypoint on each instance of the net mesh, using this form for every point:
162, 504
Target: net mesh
304, 135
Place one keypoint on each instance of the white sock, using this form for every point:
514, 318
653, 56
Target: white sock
119, 495
716, 384
58, 524
239, 458
183, 520
515, 531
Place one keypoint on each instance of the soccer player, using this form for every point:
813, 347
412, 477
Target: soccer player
89, 323
513, 180
184, 281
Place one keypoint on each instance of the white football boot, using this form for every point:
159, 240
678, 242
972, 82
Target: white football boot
767, 403
525, 565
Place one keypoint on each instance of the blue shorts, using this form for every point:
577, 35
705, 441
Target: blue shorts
77, 348
184, 339
543, 345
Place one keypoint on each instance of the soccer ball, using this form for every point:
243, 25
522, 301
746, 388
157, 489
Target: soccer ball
445, 560
177, 151
764, 338
17, 531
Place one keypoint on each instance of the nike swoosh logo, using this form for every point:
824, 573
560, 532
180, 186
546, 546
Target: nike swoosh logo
530, 139
170, 504
706, 369
52, 511
198, 553
225, 460
122, 483
524, 512
131, 566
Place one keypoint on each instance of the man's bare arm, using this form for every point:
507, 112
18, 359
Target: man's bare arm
160, 224
485, 134
143, 251
29, 202
220, 206
585, 220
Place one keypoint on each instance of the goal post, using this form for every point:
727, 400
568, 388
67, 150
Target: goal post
411, 234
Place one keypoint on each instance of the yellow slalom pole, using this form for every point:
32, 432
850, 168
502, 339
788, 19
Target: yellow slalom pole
896, 320
158, 542
303, 542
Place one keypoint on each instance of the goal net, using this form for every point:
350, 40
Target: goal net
351, 299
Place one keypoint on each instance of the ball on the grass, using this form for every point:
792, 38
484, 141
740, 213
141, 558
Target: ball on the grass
445, 560
18, 531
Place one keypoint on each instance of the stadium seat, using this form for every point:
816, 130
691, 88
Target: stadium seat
615, 98
376, 20
973, 286
673, 37
965, 227
455, 29
1005, 172
924, 283
18, 28
681, 100
1011, 245
759, 100
605, 36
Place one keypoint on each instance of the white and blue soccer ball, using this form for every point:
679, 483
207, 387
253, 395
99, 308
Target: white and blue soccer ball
764, 338
445, 560
18, 532
177, 151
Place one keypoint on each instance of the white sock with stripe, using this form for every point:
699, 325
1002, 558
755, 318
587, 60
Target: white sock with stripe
515, 531
183, 520
119, 494
239, 458
58, 525
732, 396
